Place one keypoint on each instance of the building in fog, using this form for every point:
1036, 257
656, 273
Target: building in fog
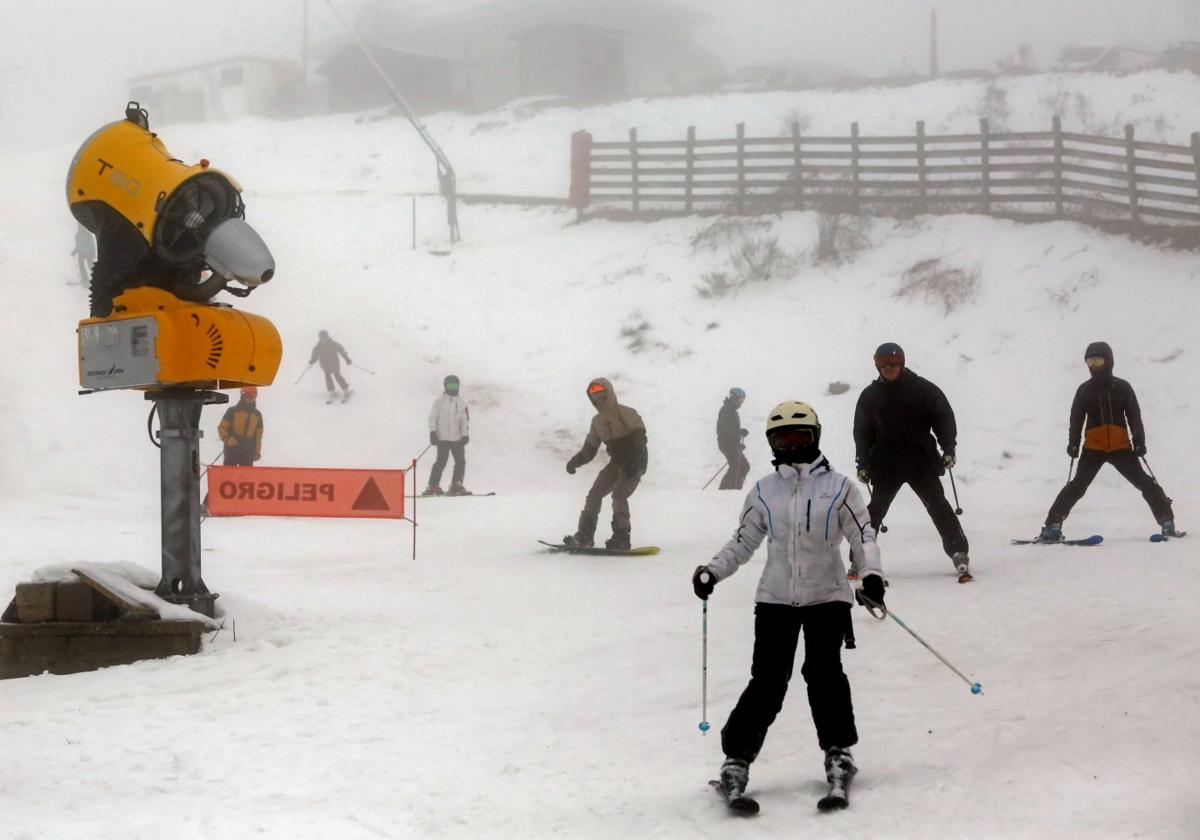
468, 55
218, 90
1105, 59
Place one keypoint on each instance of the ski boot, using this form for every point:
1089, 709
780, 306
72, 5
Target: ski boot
962, 565
839, 770
579, 540
735, 775
434, 490
1168, 528
619, 540
345, 394
1051, 533
456, 489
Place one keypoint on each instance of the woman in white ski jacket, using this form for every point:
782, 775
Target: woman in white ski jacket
449, 431
804, 510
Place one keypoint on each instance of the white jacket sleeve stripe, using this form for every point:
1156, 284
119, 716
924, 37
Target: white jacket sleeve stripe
770, 523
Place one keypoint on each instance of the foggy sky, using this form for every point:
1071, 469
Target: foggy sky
64, 63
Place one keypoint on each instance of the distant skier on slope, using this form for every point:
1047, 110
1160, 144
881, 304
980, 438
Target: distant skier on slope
621, 430
84, 253
730, 435
1105, 410
804, 509
326, 351
449, 431
893, 446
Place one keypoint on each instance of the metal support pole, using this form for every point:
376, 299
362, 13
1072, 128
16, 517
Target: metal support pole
179, 488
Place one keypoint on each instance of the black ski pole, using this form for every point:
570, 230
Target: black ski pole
871, 495
714, 478
363, 369
423, 451
301, 376
957, 509
1070, 469
704, 724
1152, 476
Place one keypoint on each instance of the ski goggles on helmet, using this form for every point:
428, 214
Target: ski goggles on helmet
1095, 361
892, 361
596, 388
791, 437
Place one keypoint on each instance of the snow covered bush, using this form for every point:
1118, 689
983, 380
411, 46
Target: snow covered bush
937, 282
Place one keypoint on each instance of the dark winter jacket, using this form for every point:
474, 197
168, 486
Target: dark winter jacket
326, 352
241, 430
729, 427
621, 430
892, 424
1109, 407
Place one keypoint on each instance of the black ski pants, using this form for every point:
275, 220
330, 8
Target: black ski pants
928, 487
1127, 465
776, 634
444, 450
739, 468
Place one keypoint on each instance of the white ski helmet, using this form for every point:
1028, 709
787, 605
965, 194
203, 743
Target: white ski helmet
793, 414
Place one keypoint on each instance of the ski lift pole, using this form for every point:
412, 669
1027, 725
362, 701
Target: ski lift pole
447, 183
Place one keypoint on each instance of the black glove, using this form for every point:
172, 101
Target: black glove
433, 438
1073, 450
863, 475
572, 466
872, 588
743, 432
703, 582
1140, 450
349, 363
465, 440
948, 459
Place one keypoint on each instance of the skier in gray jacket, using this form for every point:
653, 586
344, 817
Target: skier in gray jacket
804, 510
449, 431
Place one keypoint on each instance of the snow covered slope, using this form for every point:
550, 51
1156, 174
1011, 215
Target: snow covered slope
490, 689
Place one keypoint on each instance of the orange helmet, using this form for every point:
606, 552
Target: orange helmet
250, 392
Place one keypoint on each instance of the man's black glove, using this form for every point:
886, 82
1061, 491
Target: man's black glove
465, 440
433, 438
872, 588
863, 475
703, 582
743, 432
1073, 450
572, 465
1140, 450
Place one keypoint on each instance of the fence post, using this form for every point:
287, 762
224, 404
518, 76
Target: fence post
985, 160
1131, 163
921, 166
580, 194
854, 166
797, 165
741, 167
633, 164
1058, 163
1196, 161
691, 163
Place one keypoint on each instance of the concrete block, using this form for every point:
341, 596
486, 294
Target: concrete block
76, 601
35, 602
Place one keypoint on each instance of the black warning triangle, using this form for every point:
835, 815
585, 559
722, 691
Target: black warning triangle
370, 498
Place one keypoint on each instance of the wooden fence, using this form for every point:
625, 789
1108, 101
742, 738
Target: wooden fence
1037, 173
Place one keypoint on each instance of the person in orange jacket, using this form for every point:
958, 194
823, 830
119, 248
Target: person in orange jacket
241, 430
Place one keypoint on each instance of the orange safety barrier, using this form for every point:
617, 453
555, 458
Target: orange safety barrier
299, 491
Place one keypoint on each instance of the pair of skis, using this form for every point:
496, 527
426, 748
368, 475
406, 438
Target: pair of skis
1096, 539
745, 806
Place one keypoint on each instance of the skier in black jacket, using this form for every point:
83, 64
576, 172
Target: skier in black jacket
893, 446
729, 440
1111, 411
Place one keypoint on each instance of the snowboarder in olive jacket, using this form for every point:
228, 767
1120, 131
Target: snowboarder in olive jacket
893, 446
621, 430
1105, 411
